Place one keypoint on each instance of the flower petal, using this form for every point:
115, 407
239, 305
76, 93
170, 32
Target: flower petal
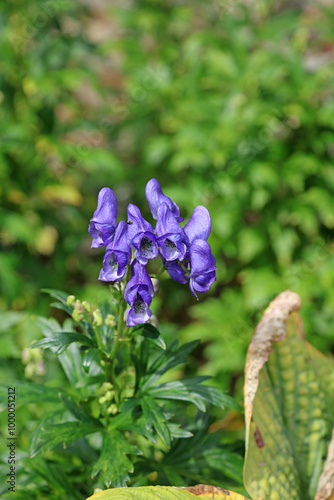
199, 224
155, 197
104, 218
175, 271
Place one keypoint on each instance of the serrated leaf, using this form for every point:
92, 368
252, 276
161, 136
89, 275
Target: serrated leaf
61, 340
199, 492
176, 431
48, 435
172, 357
155, 418
193, 391
113, 462
152, 334
77, 410
288, 421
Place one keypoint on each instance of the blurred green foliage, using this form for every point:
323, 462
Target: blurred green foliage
228, 104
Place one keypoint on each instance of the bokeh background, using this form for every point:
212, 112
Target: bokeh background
228, 104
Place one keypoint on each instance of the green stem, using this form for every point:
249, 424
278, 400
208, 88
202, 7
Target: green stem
98, 338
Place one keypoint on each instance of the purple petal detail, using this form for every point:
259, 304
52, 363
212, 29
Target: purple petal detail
199, 225
155, 198
141, 236
139, 280
171, 237
117, 256
202, 267
175, 271
139, 312
146, 247
104, 218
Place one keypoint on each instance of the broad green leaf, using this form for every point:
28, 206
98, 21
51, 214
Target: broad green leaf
61, 340
199, 492
113, 462
289, 394
151, 333
48, 435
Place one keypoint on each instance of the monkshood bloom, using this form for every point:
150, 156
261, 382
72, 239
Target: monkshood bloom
170, 235
155, 198
103, 222
202, 267
138, 294
141, 236
117, 256
185, 253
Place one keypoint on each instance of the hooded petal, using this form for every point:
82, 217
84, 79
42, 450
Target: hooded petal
167, 222
201, 258
202, 267
104, 218
155, 197
199, 225
138, 313
139, 277
114, 266
146, 247
120, 240
136, 222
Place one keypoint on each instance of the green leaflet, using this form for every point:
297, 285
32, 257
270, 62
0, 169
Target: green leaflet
48, 435
61, 340
113, 462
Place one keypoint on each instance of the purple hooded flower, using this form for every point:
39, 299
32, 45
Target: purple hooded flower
198, 226
171, 237
155, 198
117, 256
141, 236
202, 267
138, 294
103, 222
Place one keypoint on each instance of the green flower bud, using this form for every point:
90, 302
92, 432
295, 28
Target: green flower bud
98, 320
70, 300
110, 395
102, 400
86, 306
110, 320
112, 410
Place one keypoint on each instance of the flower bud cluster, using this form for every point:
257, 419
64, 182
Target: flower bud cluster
184, 251
84, 309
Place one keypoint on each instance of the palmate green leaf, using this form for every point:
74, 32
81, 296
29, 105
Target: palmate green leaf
168, 359
289, 394
193, 391
199, 492
61, 340
49, 435
113, 463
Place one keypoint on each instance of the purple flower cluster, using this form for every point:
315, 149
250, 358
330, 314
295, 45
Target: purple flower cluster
185, 252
